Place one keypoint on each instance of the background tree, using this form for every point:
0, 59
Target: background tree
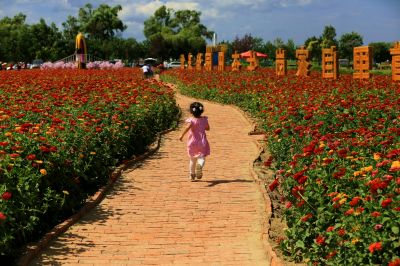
171, 33
270, 50
15, 39
347, 42
290, 48
380, 51
246, 43
328, 37
313, 44
101, 23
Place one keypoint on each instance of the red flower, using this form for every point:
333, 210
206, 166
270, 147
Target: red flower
31, 157
6, 195
273, 185
349, 212
355, 201
341, 232
395, 262
375, 246
330, 228
2, 216
386, 202
306, 217
320, 240
375, 214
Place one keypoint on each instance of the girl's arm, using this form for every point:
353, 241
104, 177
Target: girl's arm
184, 132
207, 126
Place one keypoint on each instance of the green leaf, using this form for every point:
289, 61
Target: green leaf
300, 244
395, 229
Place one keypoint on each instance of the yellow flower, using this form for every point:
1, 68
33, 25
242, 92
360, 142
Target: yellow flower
92, 152
357, 173
367, 169
342, 201
395, 164
355, 240
377, 156
65, 192
38, 161
321, 144
43, 171
8, 134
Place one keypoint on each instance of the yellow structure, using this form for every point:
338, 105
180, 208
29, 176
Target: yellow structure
199, 61
190, 61
395, 52
182, 59
221, 61
330, 66
253, 61
80, 51
236, 65
281, 64
208, 61
303, 65
362, 62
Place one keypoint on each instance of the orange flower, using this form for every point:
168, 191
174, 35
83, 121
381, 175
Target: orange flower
43, 171
375, 246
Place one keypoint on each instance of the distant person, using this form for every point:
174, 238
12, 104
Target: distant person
197, 145
147, 71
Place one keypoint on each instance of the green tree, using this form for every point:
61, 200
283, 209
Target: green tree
328, 37
47, 42
15, 39
247, 42
270, 50
290, 48
101, 23
381, 51
171, 33
347, 42
313, 44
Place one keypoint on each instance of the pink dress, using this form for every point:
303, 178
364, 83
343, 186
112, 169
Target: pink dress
197, 145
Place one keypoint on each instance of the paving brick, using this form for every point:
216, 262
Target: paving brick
155, 216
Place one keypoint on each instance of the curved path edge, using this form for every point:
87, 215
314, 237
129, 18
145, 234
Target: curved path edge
274, 258
33, 249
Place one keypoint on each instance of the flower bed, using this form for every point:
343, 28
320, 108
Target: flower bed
62, 132
335, 149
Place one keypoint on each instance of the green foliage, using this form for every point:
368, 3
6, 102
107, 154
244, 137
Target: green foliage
171, 33
347, 42
381, 51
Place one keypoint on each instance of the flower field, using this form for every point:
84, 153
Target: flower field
62, 133
335, 149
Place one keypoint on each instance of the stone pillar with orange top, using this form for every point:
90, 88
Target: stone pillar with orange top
395, 52
330, 66
280, 63
362, 62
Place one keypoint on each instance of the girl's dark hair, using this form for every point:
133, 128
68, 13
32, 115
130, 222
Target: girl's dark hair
196, 109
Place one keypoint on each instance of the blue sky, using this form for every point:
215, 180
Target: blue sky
375, 20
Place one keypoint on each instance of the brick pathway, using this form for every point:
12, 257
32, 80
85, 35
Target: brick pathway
155, 216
